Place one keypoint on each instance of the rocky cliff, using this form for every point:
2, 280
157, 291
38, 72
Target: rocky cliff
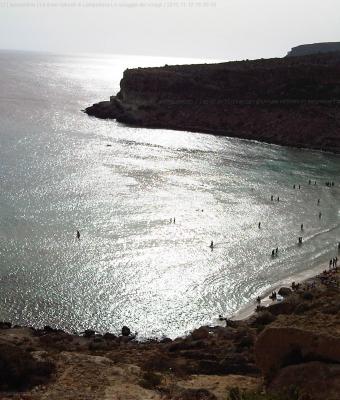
314, 48
292, 101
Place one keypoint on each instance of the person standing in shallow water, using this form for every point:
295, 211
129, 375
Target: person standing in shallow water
78, 234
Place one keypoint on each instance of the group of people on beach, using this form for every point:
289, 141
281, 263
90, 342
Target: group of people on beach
333, 262
275, 252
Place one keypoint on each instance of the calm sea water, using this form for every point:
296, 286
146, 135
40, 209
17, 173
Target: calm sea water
132, 266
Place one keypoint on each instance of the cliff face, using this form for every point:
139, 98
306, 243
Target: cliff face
291, 101
315, 48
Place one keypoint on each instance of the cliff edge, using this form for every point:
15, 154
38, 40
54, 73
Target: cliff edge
314, 48
293, 101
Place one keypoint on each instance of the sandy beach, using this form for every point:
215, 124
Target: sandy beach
302, 277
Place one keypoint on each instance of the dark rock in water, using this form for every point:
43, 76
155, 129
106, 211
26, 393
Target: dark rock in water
165, 340
5, 325
285, 292
126, 331
89, 333
19, 370
47, 328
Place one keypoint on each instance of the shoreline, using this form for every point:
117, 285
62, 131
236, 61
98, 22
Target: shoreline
252, 355
249, 309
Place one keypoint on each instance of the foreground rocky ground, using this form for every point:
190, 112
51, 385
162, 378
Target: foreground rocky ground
290, 350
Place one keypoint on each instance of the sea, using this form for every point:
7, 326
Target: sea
147, 204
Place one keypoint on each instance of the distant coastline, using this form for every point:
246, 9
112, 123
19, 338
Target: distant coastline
292, 101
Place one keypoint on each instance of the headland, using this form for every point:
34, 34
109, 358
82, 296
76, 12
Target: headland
291, 101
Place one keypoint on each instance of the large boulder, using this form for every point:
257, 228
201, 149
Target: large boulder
314, 380
285, 292
277, 347
126, 331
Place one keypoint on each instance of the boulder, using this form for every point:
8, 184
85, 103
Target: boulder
277, 347
126, 331
200, 333
89, 333
5, 325
314, 380
285, 292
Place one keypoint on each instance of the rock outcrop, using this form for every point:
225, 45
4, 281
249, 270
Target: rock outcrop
278, 347
314, 48
293, 101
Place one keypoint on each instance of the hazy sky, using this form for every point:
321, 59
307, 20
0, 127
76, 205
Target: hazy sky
223, 29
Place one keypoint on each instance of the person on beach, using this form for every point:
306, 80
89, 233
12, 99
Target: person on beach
258, 300
320, 215
272, 198
318, 202
278, 198
273, 253
294, 186
174, 220
78, 234
259, 225
302, 227
211, 245
309, 182
299, 187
